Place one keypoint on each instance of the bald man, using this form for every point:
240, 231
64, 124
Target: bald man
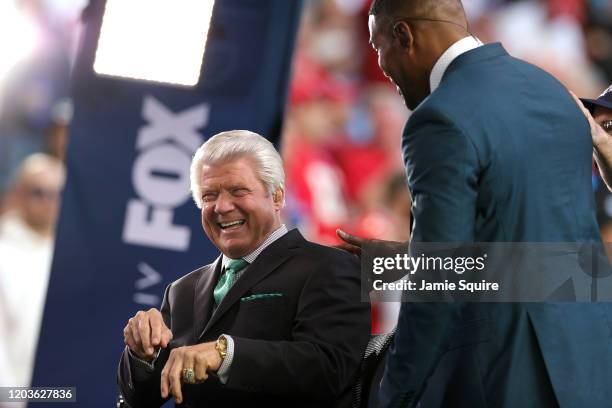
496, 150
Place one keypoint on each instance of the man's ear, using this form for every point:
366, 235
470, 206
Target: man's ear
279, 198
403, 34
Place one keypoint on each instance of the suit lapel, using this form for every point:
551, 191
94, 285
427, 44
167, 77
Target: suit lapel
203, 299
267, 262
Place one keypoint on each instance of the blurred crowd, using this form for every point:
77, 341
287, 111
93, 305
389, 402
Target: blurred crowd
342, 130
37, 43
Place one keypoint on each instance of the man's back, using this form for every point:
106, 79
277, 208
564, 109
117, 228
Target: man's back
501, 153
532, 144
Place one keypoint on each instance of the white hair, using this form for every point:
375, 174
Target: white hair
226, 146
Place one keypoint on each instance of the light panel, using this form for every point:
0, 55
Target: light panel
154, 40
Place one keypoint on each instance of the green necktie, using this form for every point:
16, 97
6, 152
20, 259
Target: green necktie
228, 278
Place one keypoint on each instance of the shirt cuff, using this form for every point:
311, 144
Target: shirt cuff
223, 371
148, 364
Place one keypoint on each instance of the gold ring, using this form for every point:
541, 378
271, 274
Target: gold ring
188, 376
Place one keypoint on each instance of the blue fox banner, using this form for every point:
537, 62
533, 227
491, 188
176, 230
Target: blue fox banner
128, 226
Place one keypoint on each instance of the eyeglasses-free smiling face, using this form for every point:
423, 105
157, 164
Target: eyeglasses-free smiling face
238, 213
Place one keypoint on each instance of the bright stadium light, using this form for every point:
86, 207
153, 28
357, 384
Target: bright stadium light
154, 40
18, 37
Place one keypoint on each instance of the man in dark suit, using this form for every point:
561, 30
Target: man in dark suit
496, 151
274, 321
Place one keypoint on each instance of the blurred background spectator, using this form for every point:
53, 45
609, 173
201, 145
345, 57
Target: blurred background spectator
344, 119
26, 246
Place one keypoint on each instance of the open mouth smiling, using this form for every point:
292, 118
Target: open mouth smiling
230, 224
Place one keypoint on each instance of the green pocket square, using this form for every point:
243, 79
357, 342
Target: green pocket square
260, 296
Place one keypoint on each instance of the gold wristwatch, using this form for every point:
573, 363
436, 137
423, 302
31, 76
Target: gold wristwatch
221, 347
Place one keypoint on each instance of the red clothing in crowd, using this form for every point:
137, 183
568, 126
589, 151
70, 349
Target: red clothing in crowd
317, 184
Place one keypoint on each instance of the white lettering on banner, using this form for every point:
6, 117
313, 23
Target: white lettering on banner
165, 124
168, 191
146, 299
150, 278
161, 175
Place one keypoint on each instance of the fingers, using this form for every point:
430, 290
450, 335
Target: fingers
191, 358
138, 349
578, 101
598, 135
128, 337
160, 334
350, 239
170, 381
198, 362
165, 337
156, 329
146, 331
197, 358
584, 110
164, 383
184, 361
188, 363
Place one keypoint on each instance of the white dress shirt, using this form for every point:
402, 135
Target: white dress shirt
460, 47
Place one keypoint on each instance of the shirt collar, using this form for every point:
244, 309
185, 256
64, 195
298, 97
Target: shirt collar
250, 258
462, 46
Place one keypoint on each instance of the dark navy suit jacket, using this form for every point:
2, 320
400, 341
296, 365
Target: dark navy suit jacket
500, 153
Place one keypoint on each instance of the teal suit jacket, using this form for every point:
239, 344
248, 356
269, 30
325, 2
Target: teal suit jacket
500, 153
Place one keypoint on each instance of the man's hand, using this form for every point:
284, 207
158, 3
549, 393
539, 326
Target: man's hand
145, 332
355, 244
599, 136
351, 243
201, 358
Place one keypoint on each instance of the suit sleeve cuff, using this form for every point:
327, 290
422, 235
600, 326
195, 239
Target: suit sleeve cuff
150, 365
223, 372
